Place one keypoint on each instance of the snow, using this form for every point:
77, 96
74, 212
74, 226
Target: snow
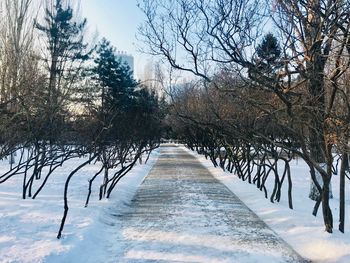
298, 227
29, 227
181, 213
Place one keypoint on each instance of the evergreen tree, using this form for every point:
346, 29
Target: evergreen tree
65, 52
64, 41
268, 52
114, 78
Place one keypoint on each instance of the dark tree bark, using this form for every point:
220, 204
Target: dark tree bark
65, 197
343, 167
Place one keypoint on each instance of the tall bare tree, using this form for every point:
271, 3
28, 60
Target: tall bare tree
17, 45
315, 31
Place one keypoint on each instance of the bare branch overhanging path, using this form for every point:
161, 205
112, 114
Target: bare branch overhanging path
181, 213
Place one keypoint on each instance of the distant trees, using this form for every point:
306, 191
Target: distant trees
290, 85
268, 55
16, 48
18, 73
61, 99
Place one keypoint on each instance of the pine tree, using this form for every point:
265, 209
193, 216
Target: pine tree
114, 78
268, 52
65, 52
64, 41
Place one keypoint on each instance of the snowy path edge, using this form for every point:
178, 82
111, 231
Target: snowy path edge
97, 240
217, 173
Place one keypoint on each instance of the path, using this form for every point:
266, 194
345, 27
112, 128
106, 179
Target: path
181, 213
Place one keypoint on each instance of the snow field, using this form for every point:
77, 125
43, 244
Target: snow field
29, 227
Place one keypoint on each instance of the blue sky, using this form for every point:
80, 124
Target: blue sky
116, 20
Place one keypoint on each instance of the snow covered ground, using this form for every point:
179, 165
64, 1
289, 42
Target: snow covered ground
28, 228
298, 227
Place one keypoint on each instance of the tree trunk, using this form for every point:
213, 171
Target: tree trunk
327, 213
344, 165
65, 197
314, 194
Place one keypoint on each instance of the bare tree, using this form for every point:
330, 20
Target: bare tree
17, 45
18, 70
202, 36
314, 31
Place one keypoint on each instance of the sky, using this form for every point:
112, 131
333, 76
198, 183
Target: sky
117, 21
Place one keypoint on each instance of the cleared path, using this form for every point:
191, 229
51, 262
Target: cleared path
181, 213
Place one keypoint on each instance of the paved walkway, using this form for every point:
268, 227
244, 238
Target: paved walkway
181, 213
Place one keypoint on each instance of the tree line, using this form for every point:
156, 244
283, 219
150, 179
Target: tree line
271, 81
63, 98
